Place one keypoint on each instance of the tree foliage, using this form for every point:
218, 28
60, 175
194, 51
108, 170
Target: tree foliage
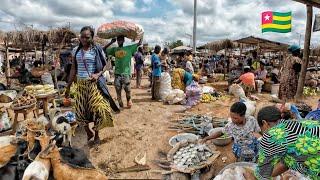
175, 44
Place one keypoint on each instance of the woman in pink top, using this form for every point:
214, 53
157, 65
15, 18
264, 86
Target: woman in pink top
247, 80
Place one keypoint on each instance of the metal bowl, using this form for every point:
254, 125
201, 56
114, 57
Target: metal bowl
182, 137
222, 141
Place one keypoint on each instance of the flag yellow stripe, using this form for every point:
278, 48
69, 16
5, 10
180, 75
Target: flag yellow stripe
276, 26
280, 18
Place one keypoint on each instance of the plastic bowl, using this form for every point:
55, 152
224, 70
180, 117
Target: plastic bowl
182, 137
222, 141
240, 164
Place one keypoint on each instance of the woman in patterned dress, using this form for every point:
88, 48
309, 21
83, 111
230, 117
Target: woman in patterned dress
287, 144
93, 101
289, 74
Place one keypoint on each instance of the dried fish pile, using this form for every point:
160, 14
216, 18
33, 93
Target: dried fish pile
191, 155
196, 124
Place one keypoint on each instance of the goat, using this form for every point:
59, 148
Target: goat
75, 157
61, 125
62, 171
17, 164
40, 167
7, 150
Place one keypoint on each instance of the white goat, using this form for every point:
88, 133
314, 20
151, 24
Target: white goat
40, 167
61, 125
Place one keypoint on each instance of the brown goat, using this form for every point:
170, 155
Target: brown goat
44, 142
40, 167
62, 171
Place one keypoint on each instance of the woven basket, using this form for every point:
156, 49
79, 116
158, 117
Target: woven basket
191, 170
38, 72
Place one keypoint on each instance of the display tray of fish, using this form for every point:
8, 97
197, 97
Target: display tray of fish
188, 156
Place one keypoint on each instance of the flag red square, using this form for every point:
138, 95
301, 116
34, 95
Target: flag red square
266, 17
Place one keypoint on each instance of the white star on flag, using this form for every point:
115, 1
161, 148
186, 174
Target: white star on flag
267, 18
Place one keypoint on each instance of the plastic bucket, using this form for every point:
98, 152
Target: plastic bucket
275, 89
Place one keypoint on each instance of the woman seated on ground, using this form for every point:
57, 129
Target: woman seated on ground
241, 128
286, 144
247, 80
181, 79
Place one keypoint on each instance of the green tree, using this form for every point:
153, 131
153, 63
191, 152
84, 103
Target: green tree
175, 44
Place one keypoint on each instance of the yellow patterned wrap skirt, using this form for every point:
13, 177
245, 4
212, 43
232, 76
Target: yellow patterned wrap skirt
177, 79
91, 106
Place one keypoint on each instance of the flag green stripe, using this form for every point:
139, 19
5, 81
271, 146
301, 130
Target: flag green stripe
276, 30
281, 14
281, 22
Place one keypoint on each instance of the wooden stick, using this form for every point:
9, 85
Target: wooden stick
135, 168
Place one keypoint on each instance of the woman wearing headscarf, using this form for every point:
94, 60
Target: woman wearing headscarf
181, 79
93, 101
287, 145
289, 74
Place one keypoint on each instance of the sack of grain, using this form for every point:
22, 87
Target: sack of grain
117, 28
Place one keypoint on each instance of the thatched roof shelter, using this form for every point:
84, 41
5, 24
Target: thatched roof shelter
218, 45
29, 39
263, 44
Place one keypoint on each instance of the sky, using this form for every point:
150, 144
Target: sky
162, 20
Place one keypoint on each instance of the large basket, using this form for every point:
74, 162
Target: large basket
191, 170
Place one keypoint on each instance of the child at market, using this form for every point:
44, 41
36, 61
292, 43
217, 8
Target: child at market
242, 129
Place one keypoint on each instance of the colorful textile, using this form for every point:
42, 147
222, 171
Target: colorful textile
193, 93
187, 78
248, 79
178, 79
240, 133
91, 106
256, 65
120, 28
82, 57
123, 58
70, 116
276, 22
288, 78
294, 143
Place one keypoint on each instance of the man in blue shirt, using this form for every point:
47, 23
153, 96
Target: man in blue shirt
156, 73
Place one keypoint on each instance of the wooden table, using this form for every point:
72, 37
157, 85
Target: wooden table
25, 111
46, 99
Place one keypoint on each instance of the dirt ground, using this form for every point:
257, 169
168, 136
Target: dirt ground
144, 129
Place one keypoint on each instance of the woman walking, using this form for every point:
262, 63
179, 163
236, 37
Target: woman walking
289, 74
93, 101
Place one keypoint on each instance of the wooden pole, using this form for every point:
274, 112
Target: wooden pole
7, 69
306, 53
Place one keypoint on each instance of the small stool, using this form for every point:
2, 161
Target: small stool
25, 113
46, 100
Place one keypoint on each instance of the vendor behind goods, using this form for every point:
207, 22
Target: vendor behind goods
242, 128
287, 144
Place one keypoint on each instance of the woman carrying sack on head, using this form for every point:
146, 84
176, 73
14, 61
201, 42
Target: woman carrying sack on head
93, 101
